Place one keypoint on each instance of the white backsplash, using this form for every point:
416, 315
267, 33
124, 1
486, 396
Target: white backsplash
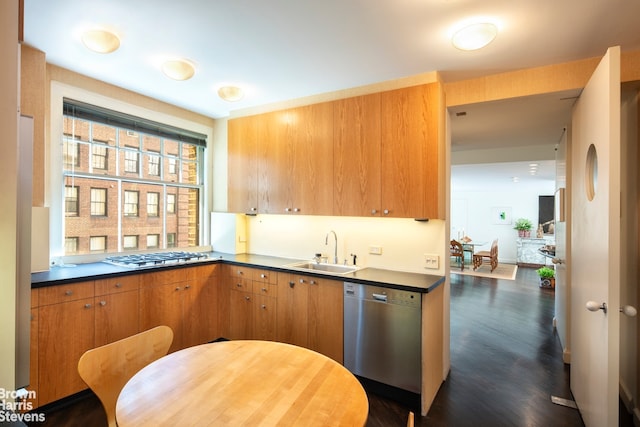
403, 241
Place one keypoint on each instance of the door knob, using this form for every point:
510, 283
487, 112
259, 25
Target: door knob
594, 306
629, 310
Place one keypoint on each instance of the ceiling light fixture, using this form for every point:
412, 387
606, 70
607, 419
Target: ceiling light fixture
178, 69
100, 41
474, 36
230, 93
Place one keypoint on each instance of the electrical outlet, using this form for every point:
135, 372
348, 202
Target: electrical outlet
432, 261
375, 250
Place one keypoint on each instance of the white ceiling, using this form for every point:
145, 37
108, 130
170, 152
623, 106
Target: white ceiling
284, 49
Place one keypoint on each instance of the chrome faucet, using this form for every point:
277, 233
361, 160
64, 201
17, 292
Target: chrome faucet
326, 242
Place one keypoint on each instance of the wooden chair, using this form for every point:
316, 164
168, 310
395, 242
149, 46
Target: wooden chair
107, 369
455, 250
490, 255
410, 419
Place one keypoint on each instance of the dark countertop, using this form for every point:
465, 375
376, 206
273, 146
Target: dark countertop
415, 282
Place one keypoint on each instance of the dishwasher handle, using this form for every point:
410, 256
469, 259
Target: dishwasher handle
379, 297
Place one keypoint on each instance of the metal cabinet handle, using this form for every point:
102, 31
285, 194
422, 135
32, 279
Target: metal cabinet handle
68, 293
240, 272
188, 287
292, 284
87, 306
177, 288
239, 285
312, 282
287, 209
264, 307
263, 276
374, 211
103, 303
263, 289
301, 280
386, 212
296, 209
253, 209
118, 285
247, 298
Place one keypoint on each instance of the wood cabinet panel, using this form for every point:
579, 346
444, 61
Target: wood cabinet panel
117, 284
326, 318
161, 305
33, 357
356, 156
264, 318
65, 293
199, 312
292, 310
116, 316
275, 155
242, 187
65, 332
241, 315
410, 151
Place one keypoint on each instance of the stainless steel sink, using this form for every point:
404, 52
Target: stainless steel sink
322, 267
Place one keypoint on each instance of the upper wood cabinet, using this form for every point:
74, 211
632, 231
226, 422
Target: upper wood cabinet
356, 156
242, 191
295, 161
412, 152
374, 155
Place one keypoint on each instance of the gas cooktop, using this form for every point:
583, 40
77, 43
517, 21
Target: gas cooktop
154, 259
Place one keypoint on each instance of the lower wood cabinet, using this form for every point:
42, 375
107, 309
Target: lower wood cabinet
252, 303
310, 313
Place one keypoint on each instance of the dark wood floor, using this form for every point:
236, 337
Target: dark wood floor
506, 363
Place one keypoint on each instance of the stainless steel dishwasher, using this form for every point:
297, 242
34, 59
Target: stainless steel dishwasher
382, 339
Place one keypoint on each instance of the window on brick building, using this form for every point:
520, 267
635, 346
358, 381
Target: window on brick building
71, 200
98, 202
124, 174
153, 199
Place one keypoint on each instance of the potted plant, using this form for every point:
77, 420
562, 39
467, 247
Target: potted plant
547, 277
523, 226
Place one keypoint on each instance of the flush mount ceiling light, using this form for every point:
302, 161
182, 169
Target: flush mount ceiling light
474, 36
178, 69
100, 41
230, 93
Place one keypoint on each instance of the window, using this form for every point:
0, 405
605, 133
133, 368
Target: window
71, 245
71, 200
99, 156
152, 204
131, 203
152, 241
98, 202
131, 161
98, 243
130, 242
171, 203
119, 171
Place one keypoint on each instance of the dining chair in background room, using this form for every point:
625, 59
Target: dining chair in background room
456, 251
107, 369
410, 419
490, 255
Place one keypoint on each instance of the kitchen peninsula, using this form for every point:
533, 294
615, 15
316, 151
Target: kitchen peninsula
232, 296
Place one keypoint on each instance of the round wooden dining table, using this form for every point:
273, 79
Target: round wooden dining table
238, 383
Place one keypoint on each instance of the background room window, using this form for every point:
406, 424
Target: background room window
171, 203
120, 161
131, 203
153, 199
71, 200
98, 243
98, 202
153, 241
130, 242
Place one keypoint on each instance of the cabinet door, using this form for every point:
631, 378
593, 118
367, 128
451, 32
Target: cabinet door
326, 318
241, 315
410, 151
274, 162
161, 305
264, 318
293, 295
356, 156
66, 331
242, 188
312, 161
200, 314
116, 316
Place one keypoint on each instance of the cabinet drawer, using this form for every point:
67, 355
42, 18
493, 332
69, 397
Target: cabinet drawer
264, 276
117, 284
240, 284
267, 289
174, 275
240, 271
64, 293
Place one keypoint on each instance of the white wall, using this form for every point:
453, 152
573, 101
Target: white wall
404, 241
472, 212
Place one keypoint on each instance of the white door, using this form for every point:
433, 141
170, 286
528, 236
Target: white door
595, 248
